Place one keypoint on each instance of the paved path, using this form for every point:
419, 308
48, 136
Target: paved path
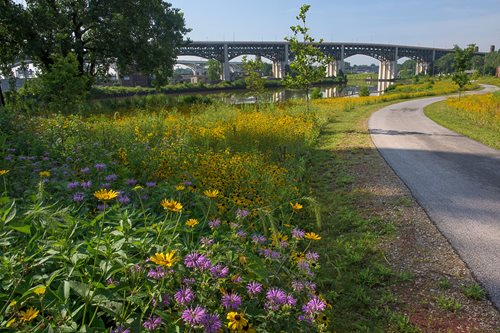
455, 179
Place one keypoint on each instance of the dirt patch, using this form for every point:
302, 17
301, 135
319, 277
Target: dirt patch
433, 277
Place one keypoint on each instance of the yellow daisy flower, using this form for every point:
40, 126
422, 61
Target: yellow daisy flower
312, 236
4, 172
211, 193
237, 321
192, 223
40, 290
296, 206
171, 205
44, 174
29, 314
164, 259
105, 195
180, 187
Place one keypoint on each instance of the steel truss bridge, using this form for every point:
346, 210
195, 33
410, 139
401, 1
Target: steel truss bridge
279, 53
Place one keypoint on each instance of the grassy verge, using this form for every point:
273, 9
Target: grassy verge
449, 117
354, 268
489, 80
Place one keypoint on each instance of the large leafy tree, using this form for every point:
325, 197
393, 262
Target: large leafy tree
137, 35
309, 63
253, 76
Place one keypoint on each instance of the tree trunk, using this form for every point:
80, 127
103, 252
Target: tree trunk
2, 100
307, 99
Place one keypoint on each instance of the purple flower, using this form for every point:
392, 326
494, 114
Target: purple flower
120, 329
152, 323
211, 323
206, 241
258, 239
303, 265
254, 288
100, 166
194, 316
150, 184
85, 170
231, 301
275, 298
314, 306
157, 273
241, 213
188, 183
197, 261
188, 281
73, 185
219, 272
78, 197
100, 207
123, 199
241, 234
111, 178
136, 268
105, 185
9, 157
86, 184
165, 300
110, 281
184, 296
312, 256
297, 285
310, 285
131, 182
270, 254
290, 300
214, 223
298, 233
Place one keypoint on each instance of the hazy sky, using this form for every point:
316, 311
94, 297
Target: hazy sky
434, 23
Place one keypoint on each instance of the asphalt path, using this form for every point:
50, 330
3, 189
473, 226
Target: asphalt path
455, 179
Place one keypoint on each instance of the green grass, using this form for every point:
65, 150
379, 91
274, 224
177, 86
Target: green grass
444, 116
448, 304
489, 80
354, 270
474, 291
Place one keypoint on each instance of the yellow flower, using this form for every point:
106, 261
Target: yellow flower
312, 236
164, 259
10, 322
3, 172
13, 303
171, 205
40, 290
137, 188
180, 187
29, 314
105, 195
44, 174
237, 321
211, 193
296, 206
192, 222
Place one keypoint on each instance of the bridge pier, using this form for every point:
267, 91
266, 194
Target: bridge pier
421, 68
278, 69
388, 70
226, 72
334, 68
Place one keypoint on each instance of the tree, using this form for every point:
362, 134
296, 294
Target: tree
214, 70
253, 76
137, 35
491, 62
309, 63
463, 61
407, 68
477, 63
445, 64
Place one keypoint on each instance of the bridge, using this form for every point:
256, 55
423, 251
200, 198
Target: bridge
280, 55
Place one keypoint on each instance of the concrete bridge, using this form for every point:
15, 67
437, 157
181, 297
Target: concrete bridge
280, 55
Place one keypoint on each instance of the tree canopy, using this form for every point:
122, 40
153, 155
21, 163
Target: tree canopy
136, 35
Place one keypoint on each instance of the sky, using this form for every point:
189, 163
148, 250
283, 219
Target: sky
432, 23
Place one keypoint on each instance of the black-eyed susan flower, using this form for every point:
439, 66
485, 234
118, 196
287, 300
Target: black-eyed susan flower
40, 290
237, 321
3, 172
312, 236
211, 193
180, 187
29, 314
44, 174
192, 223
171, 205
164, 259
105, 195
296, 206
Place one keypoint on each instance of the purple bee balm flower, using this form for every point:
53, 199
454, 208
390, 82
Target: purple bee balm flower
231, 301
303, 265
241, 213
188, 281
298, 233
310, 285
85, 170
258, 239
123, 199
105, 185
131, 182
314, 306
275, 298
73, 185
100, 166
184, 296
188, 183
150, 184
211, 323
254, 288
241, 234
100, 207
152, 323
120, 329
297, 285
86, 184
156, 273
219, 272
193, 317
206, 241
111, 178
165, 299
214, 223
312, 256
290, 300
78, 197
